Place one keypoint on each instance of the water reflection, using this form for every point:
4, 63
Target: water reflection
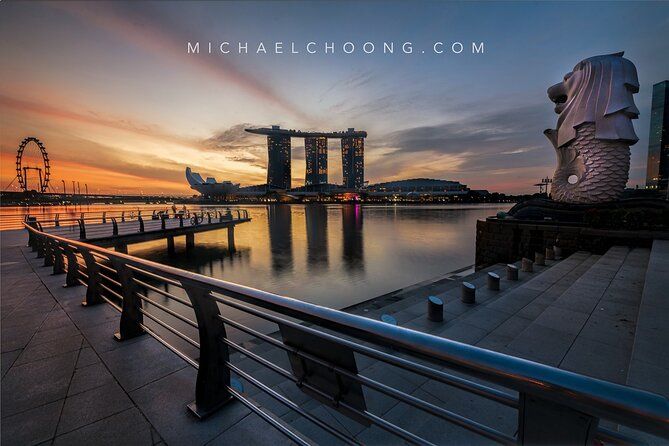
280, 221
352, 252
325, 254
316, 217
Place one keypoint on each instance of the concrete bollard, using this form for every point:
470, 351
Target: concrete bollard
527, 265
468, 293
557, 251
493, 281
388, 319
539, 259
435, 309
550, 254
511, 272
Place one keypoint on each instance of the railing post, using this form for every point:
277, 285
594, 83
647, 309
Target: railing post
57, 220
92, 269
82, 229
104, 217
40, 246
72, 267
114, 226
131, 316
181, 220
162, 222
58, 261
48, 251
32, 222
123, 216
141, 223
544, 422
213, 376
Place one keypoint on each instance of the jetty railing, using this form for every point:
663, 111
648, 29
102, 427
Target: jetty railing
90, 227
205, 321
55, 218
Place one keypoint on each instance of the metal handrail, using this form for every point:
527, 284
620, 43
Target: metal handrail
596, 398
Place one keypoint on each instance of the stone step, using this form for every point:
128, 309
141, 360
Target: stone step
649, 364
589, 327
649, 367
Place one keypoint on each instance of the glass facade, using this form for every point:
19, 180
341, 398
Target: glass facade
278, 168
657, 174
316, 156
353, 162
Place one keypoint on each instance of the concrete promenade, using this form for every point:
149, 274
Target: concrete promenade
66, 381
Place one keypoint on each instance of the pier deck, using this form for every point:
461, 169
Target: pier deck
127, 232
66, 381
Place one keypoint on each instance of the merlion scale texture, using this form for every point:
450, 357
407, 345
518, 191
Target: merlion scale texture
595, 105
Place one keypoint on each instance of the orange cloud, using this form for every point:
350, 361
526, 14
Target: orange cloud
20, 105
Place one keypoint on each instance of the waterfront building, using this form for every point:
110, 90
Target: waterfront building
316, 160
278, 164
278, 146
419, 185
353, 161
657, 174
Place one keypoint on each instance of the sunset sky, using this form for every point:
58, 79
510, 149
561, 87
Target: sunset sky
120, 105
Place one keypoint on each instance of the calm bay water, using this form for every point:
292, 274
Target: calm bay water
333, 255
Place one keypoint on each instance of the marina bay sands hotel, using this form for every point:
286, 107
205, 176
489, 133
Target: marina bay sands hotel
316, 156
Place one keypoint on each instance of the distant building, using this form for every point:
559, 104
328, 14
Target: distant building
420, 185
316, 157
278, 165
657, 175
278, 146
353, 161
210, 187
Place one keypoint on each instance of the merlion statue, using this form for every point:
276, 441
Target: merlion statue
594, 129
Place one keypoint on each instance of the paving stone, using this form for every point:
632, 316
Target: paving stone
614, 332
33, 426
7, 360
88, 378
128, 428
485, 318
463, 332
542, 344
47, 349
598, 360
141, 362
87, 356
562, 320
164, 403
252, 430
93, 405
649, 377
37, 383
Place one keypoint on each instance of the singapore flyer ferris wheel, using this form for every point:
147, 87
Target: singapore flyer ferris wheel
39, 164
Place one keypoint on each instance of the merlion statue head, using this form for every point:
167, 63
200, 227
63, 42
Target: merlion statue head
595, 105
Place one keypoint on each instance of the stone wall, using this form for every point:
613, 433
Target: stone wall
508, 240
